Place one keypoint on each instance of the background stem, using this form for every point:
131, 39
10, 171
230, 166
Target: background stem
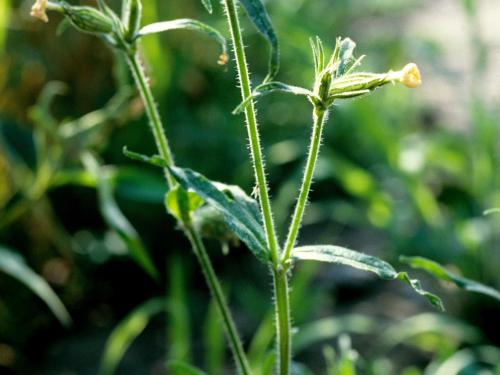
319, 119
283, 327
196, 242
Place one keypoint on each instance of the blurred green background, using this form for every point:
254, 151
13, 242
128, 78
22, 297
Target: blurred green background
401, 172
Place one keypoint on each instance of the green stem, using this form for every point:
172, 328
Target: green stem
252, 128
283, 327
218, 295
319, 116
152, 112
196, 242
280, 279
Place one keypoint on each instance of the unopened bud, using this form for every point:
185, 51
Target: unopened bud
88, 19
39, 10
132, 13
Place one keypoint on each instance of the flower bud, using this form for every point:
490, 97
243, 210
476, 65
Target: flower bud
39, 10
88, 19
132, 13
410, 76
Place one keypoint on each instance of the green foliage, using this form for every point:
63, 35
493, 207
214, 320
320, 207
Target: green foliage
126, 332
116, 219
340, 255
240, 212
258, 15
13, 264
442, 273
181, 203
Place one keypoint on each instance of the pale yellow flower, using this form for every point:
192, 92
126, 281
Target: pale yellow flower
410, 76
38, 10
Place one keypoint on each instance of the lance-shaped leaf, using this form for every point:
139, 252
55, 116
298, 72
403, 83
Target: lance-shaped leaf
188, 24
126, 332
115, 218
241, 213
492, 211
270, 87
181, 367
155, 160
14, 265
208, 5
442, 273
259, 17
364, 262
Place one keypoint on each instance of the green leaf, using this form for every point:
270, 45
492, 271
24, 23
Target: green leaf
155, 160
269, 87
115, 218
492, 211
341, 255
442, 273
260, 19
14, 265
126, 332
241, 213
183, 368
208, 5
188, 24
346, 51
180, 202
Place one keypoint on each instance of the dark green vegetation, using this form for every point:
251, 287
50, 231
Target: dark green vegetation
396, 176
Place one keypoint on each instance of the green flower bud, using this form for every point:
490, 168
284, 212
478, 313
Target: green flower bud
88, 19
132, 13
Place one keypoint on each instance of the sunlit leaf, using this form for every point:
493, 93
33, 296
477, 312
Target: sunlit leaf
346, 51
180, 202
442, 273
268, 88
186, 24
468, 358
240, 212
14, 265
259, 17
126, 332
341, 255
492, 211
116, 219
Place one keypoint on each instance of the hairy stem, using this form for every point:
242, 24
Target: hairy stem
319, 116
280, 279
283, 326
218, 295
152, 112
196, 242
252, 128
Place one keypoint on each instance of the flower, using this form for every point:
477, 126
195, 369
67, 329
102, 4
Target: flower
38, 10
410, 76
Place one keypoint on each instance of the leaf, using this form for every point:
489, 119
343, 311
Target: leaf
442, 273
180, 202
345, 55
260, 19
341, 255
115, 218
14, 265
188, 24
155, 160
208, 5
269, 87
492, 211
241, 213
183, 368
126, 332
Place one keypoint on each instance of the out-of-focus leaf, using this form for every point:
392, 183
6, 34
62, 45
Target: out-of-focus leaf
4, 21
442, 273
492, 211
187, 24
208, 5
180, 202
328, 328
115, 218
14, 265
126, 332
446, 326
240, 212
268, 88
183, 368
341, 255
259, 17
466, 358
